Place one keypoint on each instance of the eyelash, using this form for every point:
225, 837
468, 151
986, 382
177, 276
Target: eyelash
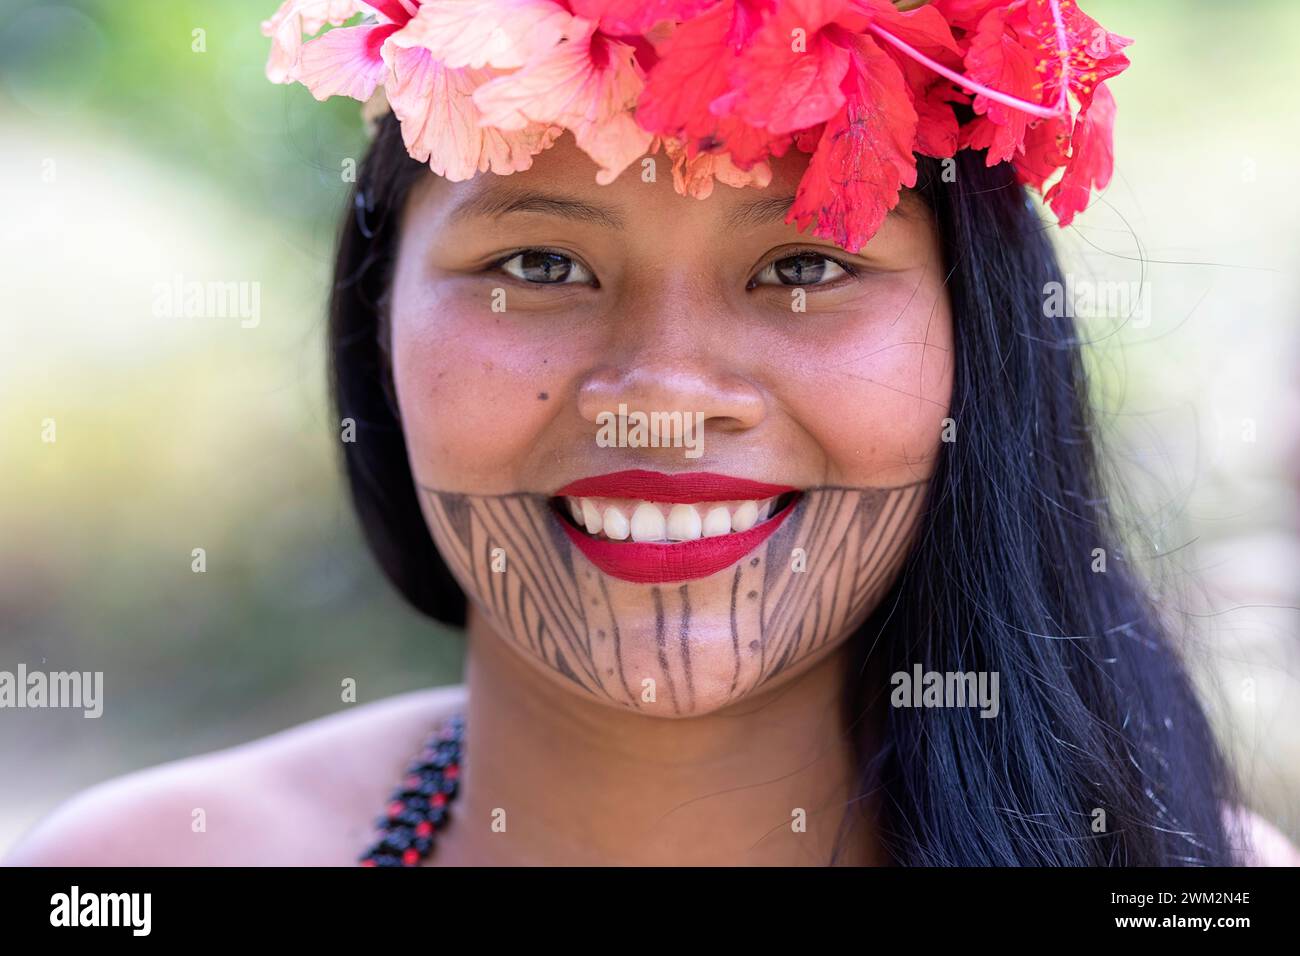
497, 264
850, 271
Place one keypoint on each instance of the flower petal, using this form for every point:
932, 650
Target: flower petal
998, 60
613, 144
864, 156
345, 61
442, 126
695, 175
932, 96
502, 34
1092, 158
691, 79
1093, 56
587, 84
691, 72
789, 75
564, 84
288, 24
1046, 150
629, 17
924, 28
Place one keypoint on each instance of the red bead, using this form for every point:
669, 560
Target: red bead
405, 824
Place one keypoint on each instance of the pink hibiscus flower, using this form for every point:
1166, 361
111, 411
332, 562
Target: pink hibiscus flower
561, 69
433, 100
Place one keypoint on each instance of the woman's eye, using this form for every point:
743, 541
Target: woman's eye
806, 268
544, 268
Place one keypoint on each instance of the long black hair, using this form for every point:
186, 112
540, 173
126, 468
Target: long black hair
1102, 754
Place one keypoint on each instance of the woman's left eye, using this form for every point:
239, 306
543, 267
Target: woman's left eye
806, 268
544, 267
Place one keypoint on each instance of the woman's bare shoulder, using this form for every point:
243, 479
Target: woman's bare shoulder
1260, 843
307, 795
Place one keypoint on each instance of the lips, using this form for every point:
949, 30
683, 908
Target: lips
688, 487
660, 562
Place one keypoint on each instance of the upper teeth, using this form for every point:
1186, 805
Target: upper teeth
621, 518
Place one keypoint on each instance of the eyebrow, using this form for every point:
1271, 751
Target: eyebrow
502, 201
760, 212
769, 209
494, 203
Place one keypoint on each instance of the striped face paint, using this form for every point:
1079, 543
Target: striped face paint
684, 639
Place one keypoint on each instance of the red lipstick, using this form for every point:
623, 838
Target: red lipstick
685, 488
665, 562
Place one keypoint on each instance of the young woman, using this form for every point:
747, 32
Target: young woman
844, 607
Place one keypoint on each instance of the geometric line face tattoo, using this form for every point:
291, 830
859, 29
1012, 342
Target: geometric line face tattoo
822, 561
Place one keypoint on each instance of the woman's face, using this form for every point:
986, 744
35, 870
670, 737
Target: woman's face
790, 398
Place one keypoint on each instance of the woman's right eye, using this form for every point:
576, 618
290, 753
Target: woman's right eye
543, 267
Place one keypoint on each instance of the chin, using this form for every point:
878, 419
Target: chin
670, 627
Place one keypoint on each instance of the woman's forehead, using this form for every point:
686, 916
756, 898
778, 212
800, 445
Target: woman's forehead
562, 182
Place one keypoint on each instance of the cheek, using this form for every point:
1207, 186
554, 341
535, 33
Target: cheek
473, 389
874, 387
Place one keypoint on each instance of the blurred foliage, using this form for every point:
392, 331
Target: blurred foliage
175, 433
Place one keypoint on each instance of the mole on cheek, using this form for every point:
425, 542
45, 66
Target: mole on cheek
542, 396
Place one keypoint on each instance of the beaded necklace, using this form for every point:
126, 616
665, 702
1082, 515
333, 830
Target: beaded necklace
418, 809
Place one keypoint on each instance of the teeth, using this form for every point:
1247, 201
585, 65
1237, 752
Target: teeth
717, 521
683, 523
616, 525
746, 516
647, 523
591, 517
621, 519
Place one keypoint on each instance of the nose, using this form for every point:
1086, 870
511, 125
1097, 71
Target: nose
668, 367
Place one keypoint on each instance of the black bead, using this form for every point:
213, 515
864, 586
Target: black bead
396, 842
397, 833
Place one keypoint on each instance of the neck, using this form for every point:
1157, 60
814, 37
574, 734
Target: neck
586, 783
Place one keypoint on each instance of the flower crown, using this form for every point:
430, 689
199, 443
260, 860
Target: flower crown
723, 85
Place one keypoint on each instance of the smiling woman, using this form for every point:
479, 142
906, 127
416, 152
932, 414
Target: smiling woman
693, 659
909, 431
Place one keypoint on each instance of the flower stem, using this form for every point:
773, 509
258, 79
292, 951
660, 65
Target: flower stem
1006, 99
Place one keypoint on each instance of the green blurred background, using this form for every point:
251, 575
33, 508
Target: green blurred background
130, 159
